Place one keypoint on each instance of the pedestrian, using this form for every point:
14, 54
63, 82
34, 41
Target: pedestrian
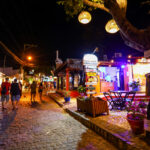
33, 91
5, 87
40, 90
20, 85
15, 94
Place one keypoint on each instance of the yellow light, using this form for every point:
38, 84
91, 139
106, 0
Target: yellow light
129, 56
129, 60
112, 61
111, 26
84, 17
29, 58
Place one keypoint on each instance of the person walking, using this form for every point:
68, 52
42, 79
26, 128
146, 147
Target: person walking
15, 94
5, 88
20, 85
40, 90
33, 91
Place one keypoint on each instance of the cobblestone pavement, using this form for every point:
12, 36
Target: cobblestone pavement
45, 126
116, 123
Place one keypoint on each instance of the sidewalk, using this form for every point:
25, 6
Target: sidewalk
113, 127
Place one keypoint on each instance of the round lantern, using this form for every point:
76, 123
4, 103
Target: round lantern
84, 17
111, 26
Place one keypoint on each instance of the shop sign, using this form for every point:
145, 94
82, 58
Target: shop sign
90, 59
91, 73
90, 67
91, 70
90, 83
91, 92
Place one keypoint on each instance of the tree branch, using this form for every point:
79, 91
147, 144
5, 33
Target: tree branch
95, 5
140, 37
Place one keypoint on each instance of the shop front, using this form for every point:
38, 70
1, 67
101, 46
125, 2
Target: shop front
138, 71
112, 76
70, 74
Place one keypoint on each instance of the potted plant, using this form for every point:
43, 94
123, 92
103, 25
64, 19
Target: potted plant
67, 96
135, 116
81, 89
135, 85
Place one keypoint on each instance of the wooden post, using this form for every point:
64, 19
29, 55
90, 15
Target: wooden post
67, 79
22, 73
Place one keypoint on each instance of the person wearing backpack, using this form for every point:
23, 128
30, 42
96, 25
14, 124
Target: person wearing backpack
15, 94
5, 87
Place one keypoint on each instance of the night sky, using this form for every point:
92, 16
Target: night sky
45, 24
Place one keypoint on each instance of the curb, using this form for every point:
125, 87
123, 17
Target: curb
114, 139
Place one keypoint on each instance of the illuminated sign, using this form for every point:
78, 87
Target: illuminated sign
90, 59
91, 92
91, 73
90, 83
91, 70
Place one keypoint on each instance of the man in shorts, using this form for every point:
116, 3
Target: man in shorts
5, 87
15, 94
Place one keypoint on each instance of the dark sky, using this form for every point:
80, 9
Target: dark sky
45, 24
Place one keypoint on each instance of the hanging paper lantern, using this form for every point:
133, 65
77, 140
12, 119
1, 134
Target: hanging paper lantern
84, 17
111, 26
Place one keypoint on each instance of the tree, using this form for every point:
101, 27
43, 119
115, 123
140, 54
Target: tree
138, 39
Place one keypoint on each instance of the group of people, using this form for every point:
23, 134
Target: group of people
33, 88
14, 89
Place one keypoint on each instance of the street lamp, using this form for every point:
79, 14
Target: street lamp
84, 17
29, 58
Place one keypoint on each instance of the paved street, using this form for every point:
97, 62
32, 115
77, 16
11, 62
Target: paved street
45, 126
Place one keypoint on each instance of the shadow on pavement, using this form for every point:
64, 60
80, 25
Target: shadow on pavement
35, 104
8, 118
91, 141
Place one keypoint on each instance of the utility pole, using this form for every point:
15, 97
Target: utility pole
26, 46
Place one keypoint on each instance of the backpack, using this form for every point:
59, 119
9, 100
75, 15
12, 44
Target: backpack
4, 90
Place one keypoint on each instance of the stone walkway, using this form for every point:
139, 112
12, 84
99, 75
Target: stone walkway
45, 126
114, 125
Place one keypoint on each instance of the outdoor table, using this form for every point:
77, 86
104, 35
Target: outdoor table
120, 94
122, 97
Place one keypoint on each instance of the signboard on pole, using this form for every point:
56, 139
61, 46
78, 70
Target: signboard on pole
90, 62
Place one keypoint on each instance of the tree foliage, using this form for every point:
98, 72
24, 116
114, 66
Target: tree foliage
136, 38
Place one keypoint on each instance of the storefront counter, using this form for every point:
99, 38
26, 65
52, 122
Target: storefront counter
106, 86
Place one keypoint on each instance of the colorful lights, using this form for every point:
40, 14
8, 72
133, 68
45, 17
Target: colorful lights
122, 66
129, 56
112, 61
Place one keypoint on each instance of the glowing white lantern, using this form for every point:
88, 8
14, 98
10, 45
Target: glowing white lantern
111, 26
84, 17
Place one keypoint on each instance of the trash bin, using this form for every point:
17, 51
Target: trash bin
148, 93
